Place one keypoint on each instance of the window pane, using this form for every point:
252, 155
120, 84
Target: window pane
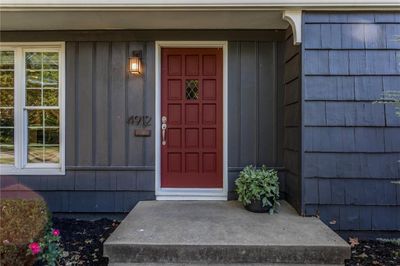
51, 136
6, 117
6, 60
51, 154
35, 118
50, 60
50, 97
6, 79
33, 97
33, 60
51, 118
50, 79
33, 79
35, 136
35, 154
6, 154
6, 136
6, 97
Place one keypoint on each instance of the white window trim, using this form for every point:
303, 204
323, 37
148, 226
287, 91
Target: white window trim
21, 167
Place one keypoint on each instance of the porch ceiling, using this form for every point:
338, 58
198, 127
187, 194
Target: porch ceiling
165, 14
149, 19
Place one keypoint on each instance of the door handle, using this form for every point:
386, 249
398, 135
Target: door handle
163, 129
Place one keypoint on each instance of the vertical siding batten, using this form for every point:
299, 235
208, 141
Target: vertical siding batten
135, 105
71, 52
85, 100
149, 106
234, 107
101, 104
249, 107
118, 119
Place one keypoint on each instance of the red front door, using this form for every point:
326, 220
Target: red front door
191, 109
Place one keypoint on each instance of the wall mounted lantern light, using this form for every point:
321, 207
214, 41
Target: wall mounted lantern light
135, 63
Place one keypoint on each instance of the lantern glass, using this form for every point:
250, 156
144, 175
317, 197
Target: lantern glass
134, 65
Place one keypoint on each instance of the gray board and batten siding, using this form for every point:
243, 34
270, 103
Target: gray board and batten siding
108, 169
292, 121
351, 147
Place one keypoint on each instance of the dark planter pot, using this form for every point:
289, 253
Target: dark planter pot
257, 206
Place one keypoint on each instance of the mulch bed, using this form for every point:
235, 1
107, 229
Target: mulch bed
374, 253
82, 241
83, 245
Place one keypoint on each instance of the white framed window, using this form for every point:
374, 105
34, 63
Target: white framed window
32, 108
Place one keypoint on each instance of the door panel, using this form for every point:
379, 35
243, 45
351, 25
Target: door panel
191, 101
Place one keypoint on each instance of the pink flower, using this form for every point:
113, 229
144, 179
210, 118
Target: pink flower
34, 247
56, 232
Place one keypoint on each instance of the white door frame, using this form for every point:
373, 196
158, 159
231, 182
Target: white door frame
190, 193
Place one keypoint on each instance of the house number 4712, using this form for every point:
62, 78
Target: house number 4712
140, 120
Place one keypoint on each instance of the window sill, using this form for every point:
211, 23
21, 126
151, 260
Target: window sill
7, 170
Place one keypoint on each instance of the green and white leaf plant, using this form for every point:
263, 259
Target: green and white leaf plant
258, 184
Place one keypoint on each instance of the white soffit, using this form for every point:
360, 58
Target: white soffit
169, 14
108, 20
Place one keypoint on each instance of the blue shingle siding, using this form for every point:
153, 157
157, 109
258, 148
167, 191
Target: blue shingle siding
351, 145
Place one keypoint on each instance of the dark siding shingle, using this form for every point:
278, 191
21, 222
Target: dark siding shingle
311, 191
329, 88
349, 218
331, 36
351, 143
368, 88
317, 62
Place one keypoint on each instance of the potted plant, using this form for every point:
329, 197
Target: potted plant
258, 189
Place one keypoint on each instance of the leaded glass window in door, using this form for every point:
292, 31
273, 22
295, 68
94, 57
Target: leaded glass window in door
192, 89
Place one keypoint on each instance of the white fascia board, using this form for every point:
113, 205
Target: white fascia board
305, 4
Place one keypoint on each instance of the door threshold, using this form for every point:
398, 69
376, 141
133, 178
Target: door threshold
187, 197
191, 194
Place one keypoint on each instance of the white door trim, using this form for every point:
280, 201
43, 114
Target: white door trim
190, 193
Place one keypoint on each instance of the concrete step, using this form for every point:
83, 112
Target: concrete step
207, 232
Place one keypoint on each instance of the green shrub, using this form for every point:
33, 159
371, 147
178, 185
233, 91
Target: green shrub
21, 221
394, 241
258, 184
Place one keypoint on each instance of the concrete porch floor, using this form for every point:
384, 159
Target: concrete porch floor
221, 232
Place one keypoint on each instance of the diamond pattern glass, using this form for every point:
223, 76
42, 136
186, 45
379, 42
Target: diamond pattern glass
192, 89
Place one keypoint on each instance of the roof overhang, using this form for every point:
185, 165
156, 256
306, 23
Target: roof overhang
140, 20
204, 4
28, 15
